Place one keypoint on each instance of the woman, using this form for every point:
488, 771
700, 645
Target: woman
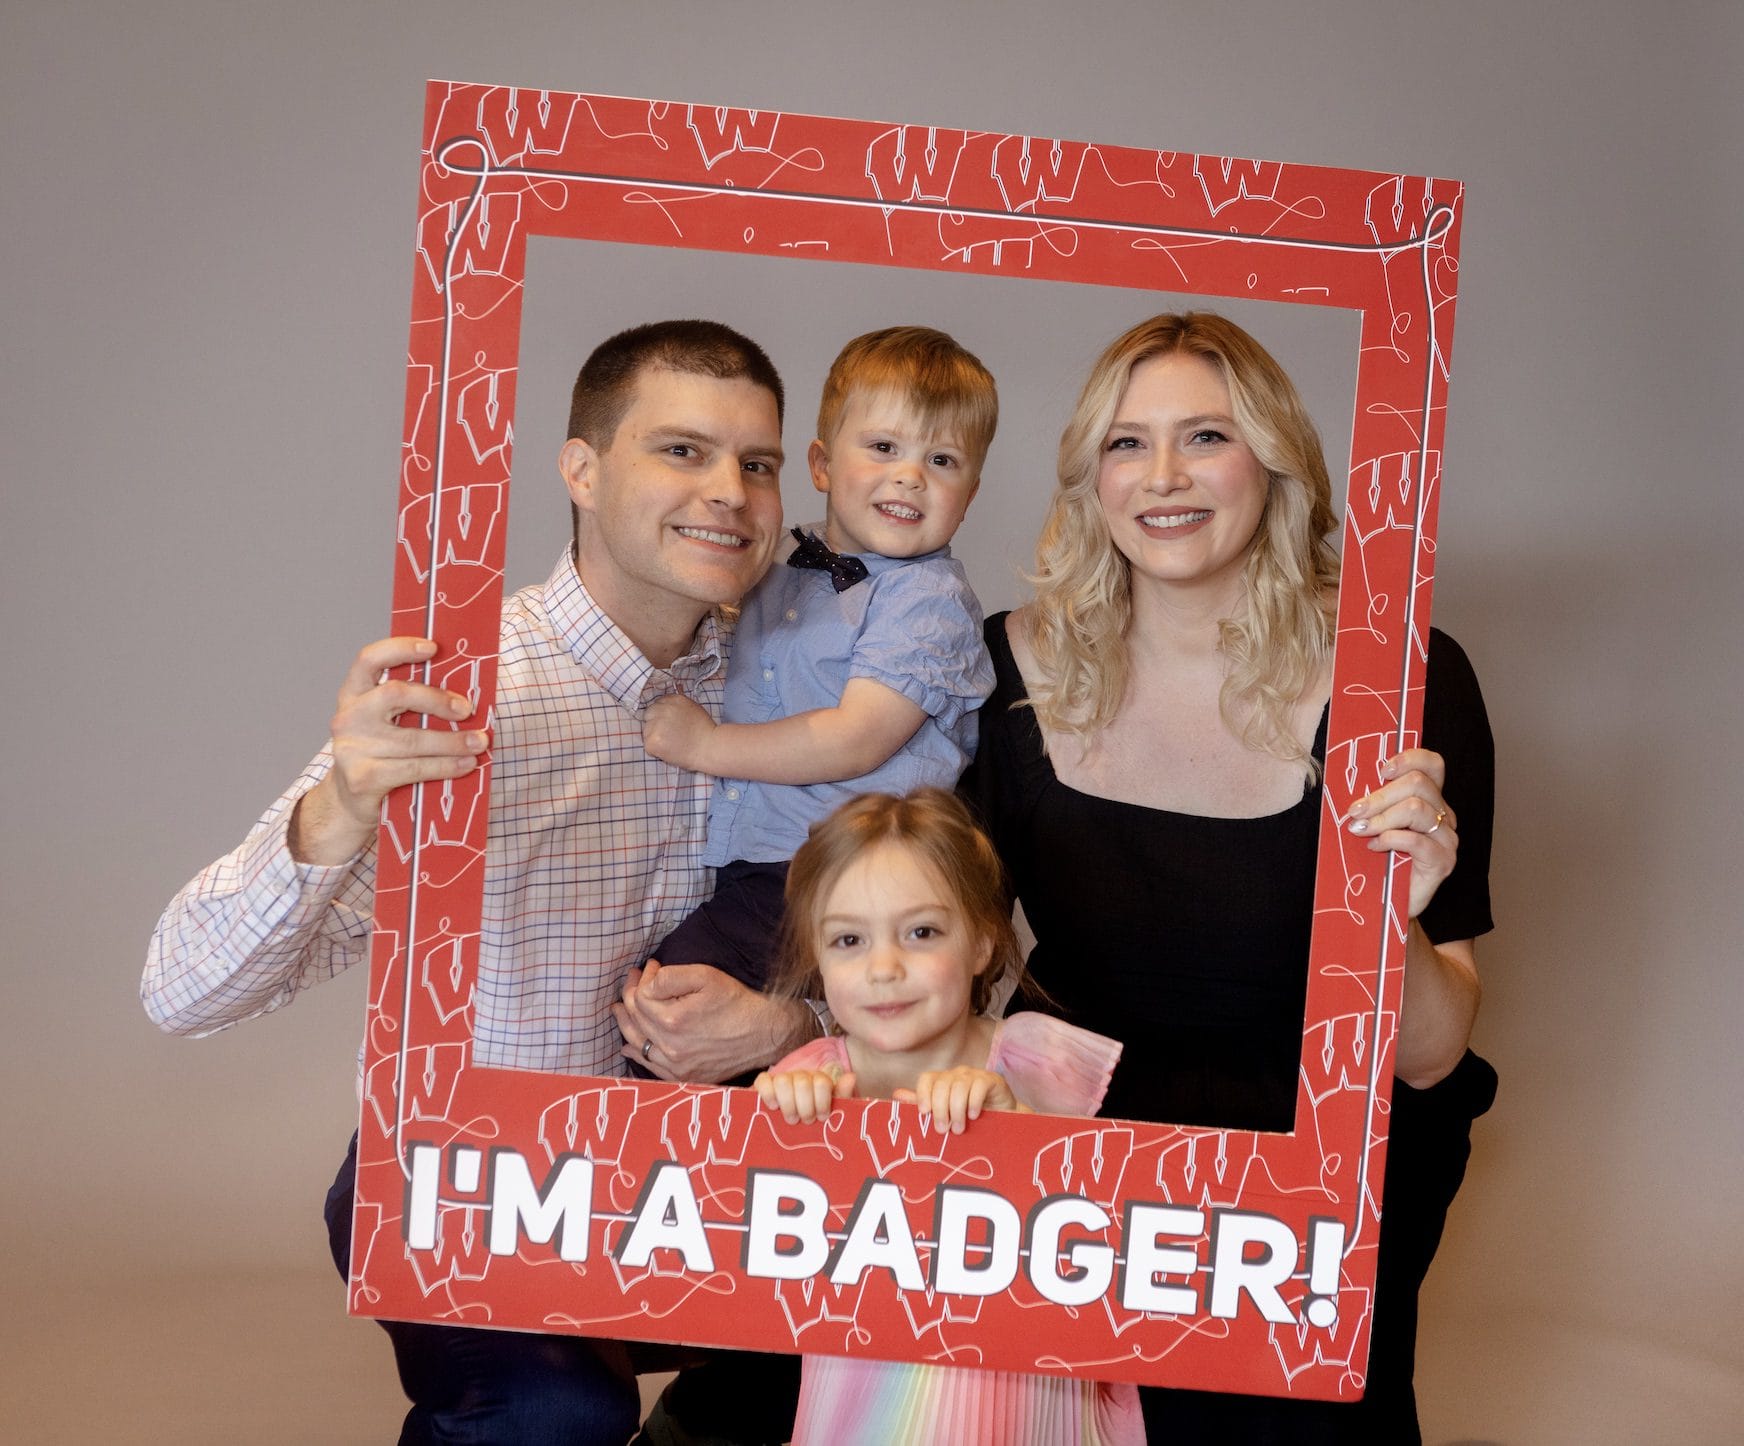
1149, 767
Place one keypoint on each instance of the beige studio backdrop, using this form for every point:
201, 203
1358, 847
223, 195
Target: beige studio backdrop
208, 243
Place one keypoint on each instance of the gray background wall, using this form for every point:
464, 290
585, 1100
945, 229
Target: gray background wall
207, 237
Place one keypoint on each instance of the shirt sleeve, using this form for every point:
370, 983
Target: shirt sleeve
1006, 771
922, 638
1054, 1067
254, 928
827, 1053
1456, 725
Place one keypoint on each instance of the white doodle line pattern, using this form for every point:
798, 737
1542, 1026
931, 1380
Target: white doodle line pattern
534, 156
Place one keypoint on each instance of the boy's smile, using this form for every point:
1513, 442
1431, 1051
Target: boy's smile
896, 488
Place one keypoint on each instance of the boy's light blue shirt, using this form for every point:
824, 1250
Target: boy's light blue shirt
913, 625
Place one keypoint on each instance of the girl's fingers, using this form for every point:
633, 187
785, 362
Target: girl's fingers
950, 1102
943, 1089
776, 1092
790, 1092
979, 1089
801, 1095
822, 1096
962, 1091
954, 1097
932, 1092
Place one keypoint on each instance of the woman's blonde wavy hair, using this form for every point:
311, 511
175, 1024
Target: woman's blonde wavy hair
1280, 636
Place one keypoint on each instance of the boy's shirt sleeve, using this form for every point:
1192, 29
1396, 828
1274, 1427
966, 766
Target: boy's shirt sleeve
922, 639
913, 626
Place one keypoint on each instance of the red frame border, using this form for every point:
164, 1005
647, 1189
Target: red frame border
501, 164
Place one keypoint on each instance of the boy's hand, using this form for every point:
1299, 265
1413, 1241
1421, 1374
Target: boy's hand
803, 1095
676, 730
953, 1097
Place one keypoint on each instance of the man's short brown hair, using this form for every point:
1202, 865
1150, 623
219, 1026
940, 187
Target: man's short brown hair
607, 381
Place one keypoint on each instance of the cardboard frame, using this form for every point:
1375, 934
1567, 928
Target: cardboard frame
1119, 1249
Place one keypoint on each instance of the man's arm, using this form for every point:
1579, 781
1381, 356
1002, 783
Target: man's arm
254, 928
292, 905
820, 746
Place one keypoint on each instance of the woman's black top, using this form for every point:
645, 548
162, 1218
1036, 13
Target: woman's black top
1187, 939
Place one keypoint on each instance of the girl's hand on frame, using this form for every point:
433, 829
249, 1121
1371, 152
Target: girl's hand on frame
953, 1097
803, 1095
1407, 814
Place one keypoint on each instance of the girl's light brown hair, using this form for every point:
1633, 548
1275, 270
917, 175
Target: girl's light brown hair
936, 828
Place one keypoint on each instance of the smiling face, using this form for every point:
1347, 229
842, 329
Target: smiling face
682, 510
1182, 492
896, 487
899, 959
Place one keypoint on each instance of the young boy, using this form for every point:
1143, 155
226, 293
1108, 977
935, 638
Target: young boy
858, 665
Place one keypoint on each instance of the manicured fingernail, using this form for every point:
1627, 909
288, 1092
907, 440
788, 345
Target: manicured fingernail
1359, 808
1359, 825
476, 740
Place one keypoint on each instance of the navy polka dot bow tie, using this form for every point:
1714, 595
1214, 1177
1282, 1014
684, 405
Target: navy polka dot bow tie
812, 552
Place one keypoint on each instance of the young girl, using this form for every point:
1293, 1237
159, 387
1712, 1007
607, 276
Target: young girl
896, 912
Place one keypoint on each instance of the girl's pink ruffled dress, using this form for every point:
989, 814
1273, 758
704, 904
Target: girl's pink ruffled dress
1056, 1069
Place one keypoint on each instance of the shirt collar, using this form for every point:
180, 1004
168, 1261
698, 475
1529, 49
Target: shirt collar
605, 651
876, 562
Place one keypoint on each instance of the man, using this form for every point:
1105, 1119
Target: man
672, 467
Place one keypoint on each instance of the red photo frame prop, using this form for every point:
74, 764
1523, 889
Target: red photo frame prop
1127, 1250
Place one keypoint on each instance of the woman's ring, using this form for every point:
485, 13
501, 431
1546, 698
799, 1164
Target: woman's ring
648, 1044
1439, 815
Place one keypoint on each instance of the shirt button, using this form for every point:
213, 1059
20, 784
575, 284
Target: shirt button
792, 614
733, 795
768, 675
